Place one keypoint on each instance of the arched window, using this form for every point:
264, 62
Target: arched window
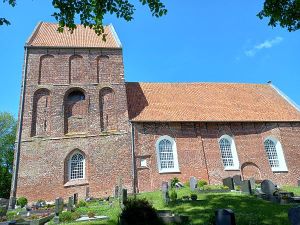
107, 104
228, 153
167, 155
76, 166
275, 155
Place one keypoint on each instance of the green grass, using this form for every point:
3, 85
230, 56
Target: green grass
248, 209
296, 190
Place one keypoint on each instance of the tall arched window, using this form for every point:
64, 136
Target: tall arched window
108, 115
228, 153
167, 155
275, 155
76, 166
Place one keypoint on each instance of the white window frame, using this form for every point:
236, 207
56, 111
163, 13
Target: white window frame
69, 165
281, 159
236, 163
175, 156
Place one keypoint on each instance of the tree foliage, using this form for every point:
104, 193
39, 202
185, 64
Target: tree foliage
7, 141
286, 13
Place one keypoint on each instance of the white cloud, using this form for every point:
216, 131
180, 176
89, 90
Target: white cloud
266, 44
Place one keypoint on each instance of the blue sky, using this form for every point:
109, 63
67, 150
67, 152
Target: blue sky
201, 41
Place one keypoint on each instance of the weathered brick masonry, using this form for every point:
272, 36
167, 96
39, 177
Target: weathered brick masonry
76, 101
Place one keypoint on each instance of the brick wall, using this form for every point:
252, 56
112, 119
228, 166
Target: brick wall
54, 125
199, 154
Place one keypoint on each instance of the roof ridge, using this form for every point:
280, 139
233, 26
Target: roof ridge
195, 82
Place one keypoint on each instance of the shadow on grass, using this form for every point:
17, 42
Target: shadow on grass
248, 209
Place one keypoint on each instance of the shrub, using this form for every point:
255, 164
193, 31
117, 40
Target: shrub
65, 217
75, 215
202, 183
185, 197
81, 203
22, 201
139, 212
173, 195
194, 197
91, 214
11, 215
237, 188
174, 181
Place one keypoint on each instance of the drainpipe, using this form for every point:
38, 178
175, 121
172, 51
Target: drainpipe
133, 158
13, 193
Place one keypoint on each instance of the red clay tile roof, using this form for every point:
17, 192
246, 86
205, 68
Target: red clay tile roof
46, 35
207, 102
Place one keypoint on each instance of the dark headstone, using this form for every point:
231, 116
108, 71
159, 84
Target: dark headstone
252, 183
165, 192
268, 187
116, 191
3, 206
229, 183
298, 183
75, 197
59, 205
224, 217
237, 180
246, 187
124, 196
193, 183
294, 215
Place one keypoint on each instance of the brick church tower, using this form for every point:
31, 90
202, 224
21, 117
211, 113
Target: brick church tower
74, 133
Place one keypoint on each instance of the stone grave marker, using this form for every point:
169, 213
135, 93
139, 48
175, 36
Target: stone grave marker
124, 196
70, 203
268, 187
59, 205
246, 187
237, 180
252, 183
75, 198
165, 192
224, 217
229, 183
87, 192
294, 215
3, 206
193, 183
116, 191
298, 183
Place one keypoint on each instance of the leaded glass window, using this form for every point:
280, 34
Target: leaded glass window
271, 151
226, 152
166, 154
77, 165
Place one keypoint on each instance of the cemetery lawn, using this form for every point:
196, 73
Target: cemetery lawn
247, 209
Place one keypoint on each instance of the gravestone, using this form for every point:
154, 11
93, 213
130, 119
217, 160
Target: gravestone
298, 183
164, 186
3, 206
229, 183
70, 203
193, 183
124, 196
75, 198
246, 187
87, 192
224, 217
294, 215
165, 192
268, 187
59, 205
237, 180
252, 183
116, 191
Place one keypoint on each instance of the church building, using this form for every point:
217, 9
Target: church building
84, 129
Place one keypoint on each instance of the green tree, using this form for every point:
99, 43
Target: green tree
286, 13
7, 142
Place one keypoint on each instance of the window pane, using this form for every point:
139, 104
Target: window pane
166, 155
76, 166
270, 148
226, 152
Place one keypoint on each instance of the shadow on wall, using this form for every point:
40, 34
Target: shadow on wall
136, 99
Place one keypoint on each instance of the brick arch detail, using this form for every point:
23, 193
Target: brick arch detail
40, 124
103, 73
75, 111
250, 169
107, 109
46, 69
76, 69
